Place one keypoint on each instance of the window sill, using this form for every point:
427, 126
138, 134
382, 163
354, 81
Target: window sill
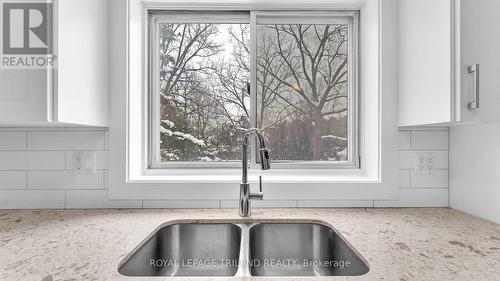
278, 185
190, 176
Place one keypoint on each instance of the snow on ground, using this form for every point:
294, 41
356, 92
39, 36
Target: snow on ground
333, 137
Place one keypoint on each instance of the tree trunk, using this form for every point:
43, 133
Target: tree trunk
316, 135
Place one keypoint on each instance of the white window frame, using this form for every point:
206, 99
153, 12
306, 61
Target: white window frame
253, 18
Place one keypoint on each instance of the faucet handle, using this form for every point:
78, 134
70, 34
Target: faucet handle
259, 195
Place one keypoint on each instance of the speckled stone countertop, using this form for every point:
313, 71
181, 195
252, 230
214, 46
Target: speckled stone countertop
399, 244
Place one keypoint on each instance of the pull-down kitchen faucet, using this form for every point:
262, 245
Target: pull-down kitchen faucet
245, 194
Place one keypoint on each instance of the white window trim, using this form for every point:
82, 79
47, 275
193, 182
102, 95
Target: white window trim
377, 177
155, 166
253, 18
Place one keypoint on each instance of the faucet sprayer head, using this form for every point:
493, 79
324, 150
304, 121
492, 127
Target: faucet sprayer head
264, 159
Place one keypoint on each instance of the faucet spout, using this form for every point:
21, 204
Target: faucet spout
245, 193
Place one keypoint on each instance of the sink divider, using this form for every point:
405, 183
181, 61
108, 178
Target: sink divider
244, 257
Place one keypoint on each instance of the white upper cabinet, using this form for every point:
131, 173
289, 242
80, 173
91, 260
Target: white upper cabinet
75, 90
449, 61
23, 96
478, 42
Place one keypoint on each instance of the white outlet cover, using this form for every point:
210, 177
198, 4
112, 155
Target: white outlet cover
424, 163
84, 162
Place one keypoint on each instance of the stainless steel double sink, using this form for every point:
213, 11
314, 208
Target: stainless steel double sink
244, 249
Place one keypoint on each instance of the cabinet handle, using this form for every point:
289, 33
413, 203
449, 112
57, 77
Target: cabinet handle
474, 104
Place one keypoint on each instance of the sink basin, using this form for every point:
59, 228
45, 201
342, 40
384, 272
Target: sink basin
301, 249
187, 250
243, 249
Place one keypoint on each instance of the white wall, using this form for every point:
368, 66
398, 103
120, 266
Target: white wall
475, 170
36, 172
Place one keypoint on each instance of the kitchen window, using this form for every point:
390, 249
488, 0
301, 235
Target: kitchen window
137, 170
214, 74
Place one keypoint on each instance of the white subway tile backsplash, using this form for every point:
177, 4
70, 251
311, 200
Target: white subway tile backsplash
32, 199
261, 204
65, 180
407, 159
36, 172
417, 198
13, 160
12, 129
12, 179
335, 203
429, 139
404, 178
230, 203
404, 139
209, 204
46, 160
46, 129
91, 129
106, 178
12, 140
78, 199
438, 179
72, 140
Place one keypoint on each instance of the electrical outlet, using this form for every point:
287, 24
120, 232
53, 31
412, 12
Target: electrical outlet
84, 162
424, 164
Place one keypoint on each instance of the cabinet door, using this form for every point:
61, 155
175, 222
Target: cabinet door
425, 59
23, 96
479, 37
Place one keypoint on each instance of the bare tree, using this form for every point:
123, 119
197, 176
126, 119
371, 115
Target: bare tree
312, 62
301, 80
202, 94
184, 49
273, 100
233, 74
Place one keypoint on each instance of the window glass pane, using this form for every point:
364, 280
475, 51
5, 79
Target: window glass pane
204, 101
302, 90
